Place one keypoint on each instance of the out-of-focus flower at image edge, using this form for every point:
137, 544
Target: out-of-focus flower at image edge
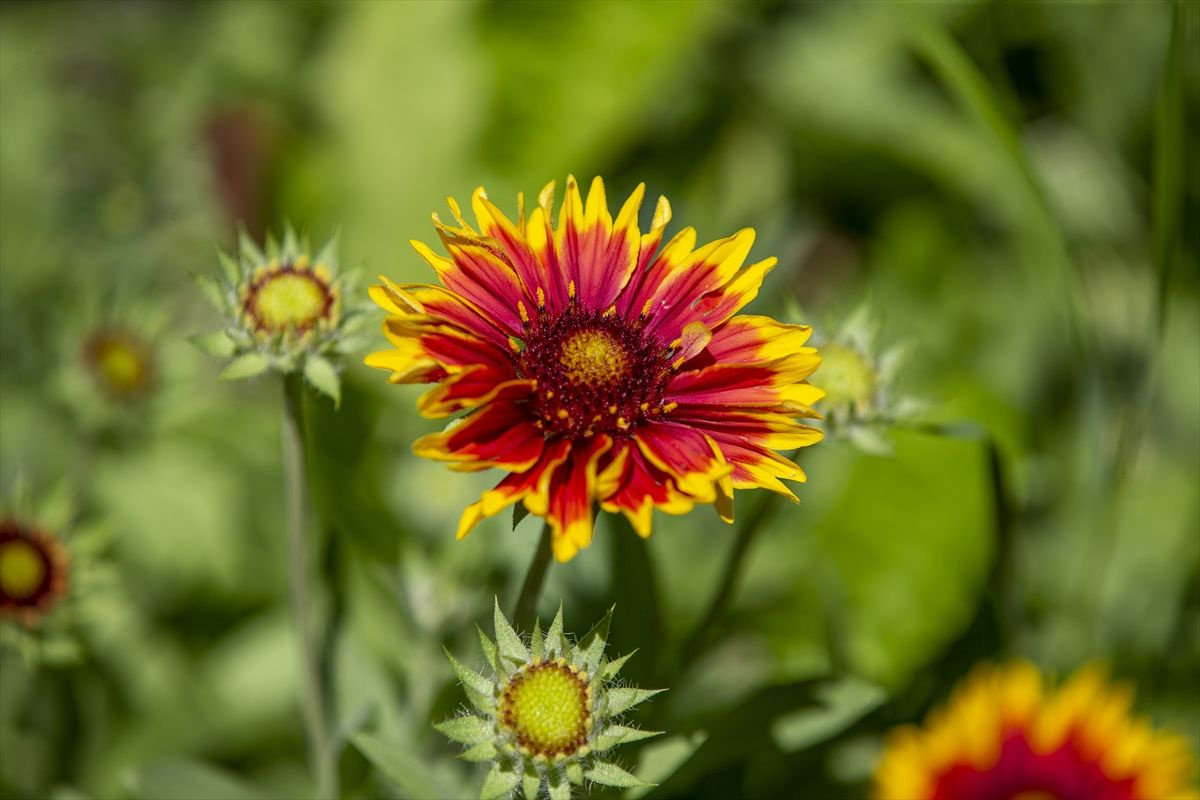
1005, 735
597, 366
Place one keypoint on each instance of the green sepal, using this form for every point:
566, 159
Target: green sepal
510, 644
531, 783
469, 678
480, 753
625, 698
498, 783
614, 735
611, 775
291, 248
536, 642
489, 649
610, 669
212, 291
249, 250
560, 790
467, 729
218, 344
323, 376
245, 366
329, 255
591, 648
574, 772
233, 272
556, 642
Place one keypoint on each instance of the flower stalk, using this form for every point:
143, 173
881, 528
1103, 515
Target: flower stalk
535, 576
312, 695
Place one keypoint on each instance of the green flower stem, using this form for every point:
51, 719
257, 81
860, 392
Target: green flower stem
747, 531
532, 586
312, 698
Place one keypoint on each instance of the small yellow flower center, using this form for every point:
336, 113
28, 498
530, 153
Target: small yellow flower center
848, 378
22, 569
548, 707
594, 358
120, 363
288, 299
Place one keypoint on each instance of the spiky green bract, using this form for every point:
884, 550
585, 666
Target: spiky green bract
284, 310
527, 755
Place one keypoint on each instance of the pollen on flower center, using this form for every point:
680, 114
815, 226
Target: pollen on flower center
22, 569
289, 298
596, 373
548, 707
594, 358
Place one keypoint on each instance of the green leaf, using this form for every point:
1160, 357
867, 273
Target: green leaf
591, 647
843, 703
625, 698
396, 764
245, 366
574, 772
468, 729
489, 649
661, 760
291, 244
614, 735
560, 790
323, 376
212, 291
611, 775
329, 253
507, 640
611, 669
531, 784
480, 753
520, 512
536, 642
181, 779
498, 783
469, 678
556, 642
233, 272
250, 251
217, 344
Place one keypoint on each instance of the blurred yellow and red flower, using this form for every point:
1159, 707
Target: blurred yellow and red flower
1005, 735
595, 366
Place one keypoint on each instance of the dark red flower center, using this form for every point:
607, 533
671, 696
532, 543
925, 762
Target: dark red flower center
595, 372
32, 570
1023, 773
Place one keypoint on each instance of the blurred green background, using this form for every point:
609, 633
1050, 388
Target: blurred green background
1011, 188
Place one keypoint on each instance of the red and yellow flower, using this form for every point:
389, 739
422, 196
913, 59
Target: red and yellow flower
1006, 736
33, 572
596, 366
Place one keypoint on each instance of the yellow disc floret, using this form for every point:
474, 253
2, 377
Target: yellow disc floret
594, 358
289, 298
548, 707
22, 569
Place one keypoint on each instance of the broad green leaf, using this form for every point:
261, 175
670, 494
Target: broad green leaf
468, 729
181, 779
245, 366
323, 376
843, 703
498, 783
507, 641
659, 761
398, 765
611, 775
625, 698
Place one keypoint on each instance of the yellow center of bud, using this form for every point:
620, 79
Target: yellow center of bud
288, 299
848, 378
548, 707
593, 358
22, 569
